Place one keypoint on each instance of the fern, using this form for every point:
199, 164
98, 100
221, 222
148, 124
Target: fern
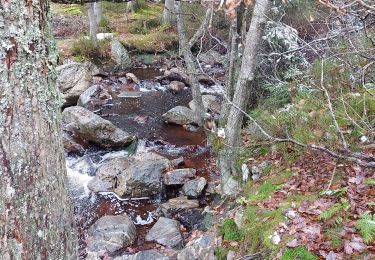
366, 227
334, 210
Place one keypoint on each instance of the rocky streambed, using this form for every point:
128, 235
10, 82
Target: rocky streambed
140, 186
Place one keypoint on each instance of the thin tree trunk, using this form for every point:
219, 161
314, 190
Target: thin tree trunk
98, 11
168, 12
230, 80
93, 24
203, 27
190, 65
36, 220
242, 91
130, 8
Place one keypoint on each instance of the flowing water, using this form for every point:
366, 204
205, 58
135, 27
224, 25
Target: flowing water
137, 110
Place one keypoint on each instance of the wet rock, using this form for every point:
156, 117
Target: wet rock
178, 176
209, 102
176, 86
132, 77
165, 232
191, 219
136, 176
88, 126
202, 247
176, 205
94, 95
144, 255
194, 188
120, 55
143, 176
130, 94
73, 79
70, 145
180, 115
211, 57
177, 75
111, 233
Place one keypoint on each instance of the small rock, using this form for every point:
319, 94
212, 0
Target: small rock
275, 238
178, 176
255, 177
194, 188
176, 74
245, 172
95, 94
104, 36
202, 247
176, 86
231, 187
132, 77
70, 145
231, 255
165, 232
291, 214
144, 255
180, 115
255, 170
176, 205
111, 233
238, 217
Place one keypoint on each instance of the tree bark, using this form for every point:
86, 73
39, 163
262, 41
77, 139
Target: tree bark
93, 24
168, 12
190, 65
241, 95
98, 11
130, 7
36, 220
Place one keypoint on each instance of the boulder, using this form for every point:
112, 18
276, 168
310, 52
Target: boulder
194, 187
209, 102
180, 115
176, 86
136, 176
166, 232
111, 233
120, 55
94, 95
88, 126
144, 255
132, 77
211, 57
202, 247
73, 79
178, 176
177, 75
176, 205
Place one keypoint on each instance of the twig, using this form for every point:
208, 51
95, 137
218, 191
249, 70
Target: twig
333, 175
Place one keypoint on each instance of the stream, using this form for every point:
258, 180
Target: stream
137, 109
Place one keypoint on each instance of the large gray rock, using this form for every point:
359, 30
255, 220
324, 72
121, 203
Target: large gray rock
144, 255
175, 74
194, 187
120, 54
111, 233
166, 232
210, 102
176, 205
73, 79
94, 95
201, 248
136, 176
178, 176
180, 115
88, 126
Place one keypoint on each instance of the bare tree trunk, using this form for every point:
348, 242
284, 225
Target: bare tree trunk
93, 24
230, 80
190, 65
130, 8
203, 27
36, 220
242, 90
98, 11
168, 13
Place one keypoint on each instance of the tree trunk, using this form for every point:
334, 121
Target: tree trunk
130, 8
98, 11
241, 95
190, 65
203, 27
168, 16
36, 220
93, 24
